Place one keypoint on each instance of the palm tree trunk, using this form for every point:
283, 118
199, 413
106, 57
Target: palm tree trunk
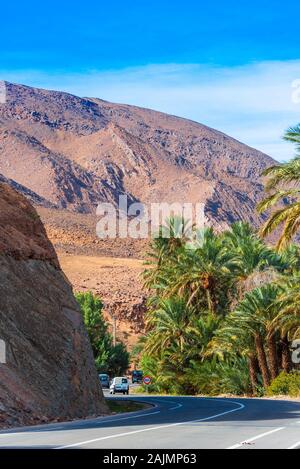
210, 303
262, 360
253, 369
272, 349
286, 361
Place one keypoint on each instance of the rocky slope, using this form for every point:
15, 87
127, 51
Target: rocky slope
34, 198
49, 372
76, 152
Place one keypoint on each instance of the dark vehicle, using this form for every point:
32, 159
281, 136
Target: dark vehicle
104, 380
137, 376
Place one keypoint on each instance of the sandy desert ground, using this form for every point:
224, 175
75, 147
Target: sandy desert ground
118, 282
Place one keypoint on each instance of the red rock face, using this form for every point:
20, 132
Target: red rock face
49, 372
22, 234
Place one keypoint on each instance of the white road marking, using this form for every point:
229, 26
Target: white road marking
81, 424
296, 445
118, 435
176, 407
127, 418
239, 445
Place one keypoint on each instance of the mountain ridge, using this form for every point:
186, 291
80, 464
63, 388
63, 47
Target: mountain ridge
75, 152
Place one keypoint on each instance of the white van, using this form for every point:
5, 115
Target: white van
119, 384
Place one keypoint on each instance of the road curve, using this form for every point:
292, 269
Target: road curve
174, 422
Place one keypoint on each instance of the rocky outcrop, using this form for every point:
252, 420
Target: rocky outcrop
49, 372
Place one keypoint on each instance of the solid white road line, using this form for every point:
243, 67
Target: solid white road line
165, 401
82, 424
127, 418
118, 435
177, 406
239, 445
296, 445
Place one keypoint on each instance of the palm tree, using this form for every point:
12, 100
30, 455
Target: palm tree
233, 340
256, 312
168, 325
283, 192
203, 273
288, 318
164, 249
291, 258
255, 260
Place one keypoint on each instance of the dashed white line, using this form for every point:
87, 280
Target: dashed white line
239, 445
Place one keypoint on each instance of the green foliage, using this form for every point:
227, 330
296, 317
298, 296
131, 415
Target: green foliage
283, 195
214, 377
91, 308
206, 331
119, 360
110, 359
285, 384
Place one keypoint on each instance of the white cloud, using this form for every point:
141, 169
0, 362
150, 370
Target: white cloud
253, 103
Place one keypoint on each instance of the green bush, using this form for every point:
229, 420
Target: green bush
285, 384
213, 377
110, 359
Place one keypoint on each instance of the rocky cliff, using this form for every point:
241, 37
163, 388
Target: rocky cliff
49, 372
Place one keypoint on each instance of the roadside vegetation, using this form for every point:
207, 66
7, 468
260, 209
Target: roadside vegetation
224, 308
110, 359
117, 407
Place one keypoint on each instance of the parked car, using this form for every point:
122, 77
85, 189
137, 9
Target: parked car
119, 384
104, 380
137, 376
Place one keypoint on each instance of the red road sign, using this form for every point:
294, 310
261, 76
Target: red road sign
147, 380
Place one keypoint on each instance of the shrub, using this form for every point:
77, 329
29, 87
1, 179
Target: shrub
110, 359
285, 384
213, 377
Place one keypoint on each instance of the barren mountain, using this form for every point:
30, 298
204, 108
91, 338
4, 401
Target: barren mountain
75, 152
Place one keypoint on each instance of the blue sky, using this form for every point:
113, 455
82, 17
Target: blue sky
227, 64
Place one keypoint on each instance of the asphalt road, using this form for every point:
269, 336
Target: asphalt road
174, 422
